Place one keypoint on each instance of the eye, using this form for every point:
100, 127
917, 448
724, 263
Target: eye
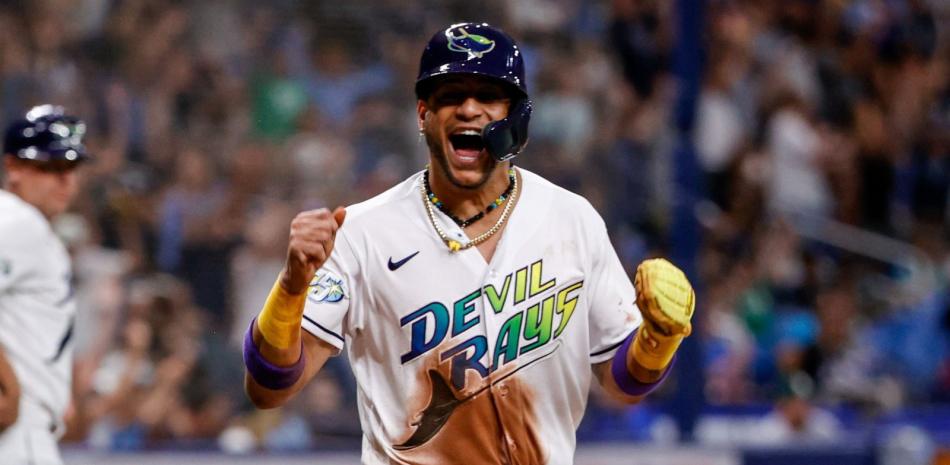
490, 95
450, 97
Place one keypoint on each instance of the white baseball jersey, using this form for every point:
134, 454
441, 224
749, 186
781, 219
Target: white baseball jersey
462, 361
36, 315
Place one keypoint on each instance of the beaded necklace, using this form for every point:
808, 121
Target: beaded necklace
455, 245
466, 223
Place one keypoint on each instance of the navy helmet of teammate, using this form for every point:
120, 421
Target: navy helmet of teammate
41, 151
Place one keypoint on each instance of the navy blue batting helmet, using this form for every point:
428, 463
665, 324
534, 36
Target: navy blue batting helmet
46, 135
483, 50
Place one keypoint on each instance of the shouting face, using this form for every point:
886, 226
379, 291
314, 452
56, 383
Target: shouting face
452, 118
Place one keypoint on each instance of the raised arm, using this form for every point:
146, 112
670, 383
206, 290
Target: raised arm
279, 357
666, 300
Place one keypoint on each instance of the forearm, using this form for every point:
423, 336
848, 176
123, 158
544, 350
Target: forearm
9, 393
631, 373
316, 354
606, 381
9, 385
277, 329
283, 356
279, 359
643, 374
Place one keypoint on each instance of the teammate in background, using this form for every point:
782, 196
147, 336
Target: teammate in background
41, 154
476, 300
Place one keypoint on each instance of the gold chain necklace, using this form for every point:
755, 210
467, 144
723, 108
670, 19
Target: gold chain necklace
455, 245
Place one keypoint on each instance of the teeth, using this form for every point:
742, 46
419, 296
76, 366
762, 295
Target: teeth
469, 132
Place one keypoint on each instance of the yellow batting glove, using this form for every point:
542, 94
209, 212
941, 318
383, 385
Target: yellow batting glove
666, 301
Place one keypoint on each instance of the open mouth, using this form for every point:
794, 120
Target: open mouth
467, 144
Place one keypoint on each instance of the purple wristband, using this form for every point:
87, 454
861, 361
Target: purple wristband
625, 381
266, 373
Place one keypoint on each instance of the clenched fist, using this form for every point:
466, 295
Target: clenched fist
665, 296
312, 234
666, 301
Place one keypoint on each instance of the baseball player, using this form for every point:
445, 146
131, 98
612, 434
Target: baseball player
41, 154
476, 301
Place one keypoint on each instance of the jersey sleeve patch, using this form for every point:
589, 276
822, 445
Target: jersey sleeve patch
327, 287
328, 291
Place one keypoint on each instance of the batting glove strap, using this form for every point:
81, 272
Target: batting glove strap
622, 377
654, 350
266, 373
281, 316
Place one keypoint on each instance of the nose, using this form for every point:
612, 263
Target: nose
69, 179
470, 109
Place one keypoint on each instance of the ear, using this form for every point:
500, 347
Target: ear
421, 111
9, 164
11, 170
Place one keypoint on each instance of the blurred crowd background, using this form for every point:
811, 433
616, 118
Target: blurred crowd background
822, 131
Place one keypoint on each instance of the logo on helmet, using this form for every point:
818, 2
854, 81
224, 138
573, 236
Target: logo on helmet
475, 45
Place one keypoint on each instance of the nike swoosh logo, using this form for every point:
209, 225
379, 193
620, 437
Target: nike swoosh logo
393, 266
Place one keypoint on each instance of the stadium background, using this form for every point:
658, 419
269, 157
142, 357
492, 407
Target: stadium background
793, 156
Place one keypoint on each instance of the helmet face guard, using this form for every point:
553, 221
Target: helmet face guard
482, 50
504, 139
47, 136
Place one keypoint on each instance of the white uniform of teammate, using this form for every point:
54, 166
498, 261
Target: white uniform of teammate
36, 315
509, 343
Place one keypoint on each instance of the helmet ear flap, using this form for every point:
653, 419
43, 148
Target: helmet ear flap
506, 138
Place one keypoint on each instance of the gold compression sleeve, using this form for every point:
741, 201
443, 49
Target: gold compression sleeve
281, 316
